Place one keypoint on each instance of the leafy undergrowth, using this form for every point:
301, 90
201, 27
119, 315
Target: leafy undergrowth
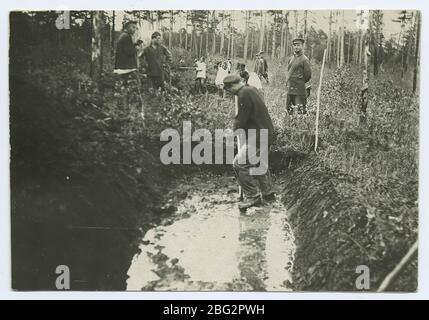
85, 183
355, 202
82, 157
85, 171
339, 226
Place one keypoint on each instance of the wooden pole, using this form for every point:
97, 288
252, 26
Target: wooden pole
416, 56
319, 89
240, 190
402, 264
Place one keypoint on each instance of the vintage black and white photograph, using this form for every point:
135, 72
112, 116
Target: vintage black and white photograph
215, 150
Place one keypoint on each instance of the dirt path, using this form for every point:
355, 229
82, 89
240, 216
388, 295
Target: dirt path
209, 245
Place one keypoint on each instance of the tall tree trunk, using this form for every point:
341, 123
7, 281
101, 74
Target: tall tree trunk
214, 43
348, 47
158, 22
228, 49
361, 47
365, 82
170, 32
252, 44
152, 20
192, 45
232, 45
377, 20
246, 37
357, 47
222, 34
206, 52
416, 54
338, 38
296, 23
273, 48
229, 37
406, 53
338, 42
214, 32
186, 32
201, 45
286, 37
328, 45
342, 41
305, 30
267, 41
112, 34
282, 38
96, 44
261, 32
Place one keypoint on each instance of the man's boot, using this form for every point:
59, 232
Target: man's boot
271, 197
248, 203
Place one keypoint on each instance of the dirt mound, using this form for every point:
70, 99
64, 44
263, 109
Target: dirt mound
337, 229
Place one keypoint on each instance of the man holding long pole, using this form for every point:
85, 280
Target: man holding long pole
251, 162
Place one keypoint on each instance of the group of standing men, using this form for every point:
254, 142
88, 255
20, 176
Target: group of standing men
251, 113
156, 56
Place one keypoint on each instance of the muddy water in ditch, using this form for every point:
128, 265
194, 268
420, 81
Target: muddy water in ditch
209, 245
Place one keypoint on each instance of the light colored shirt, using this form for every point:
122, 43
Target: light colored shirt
254, 80
123, 71
201, 70
221, 74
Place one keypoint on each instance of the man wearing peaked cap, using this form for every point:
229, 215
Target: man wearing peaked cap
128, 22
301, 40
299, 72
264, 66
251, 162
231, 79
156, 57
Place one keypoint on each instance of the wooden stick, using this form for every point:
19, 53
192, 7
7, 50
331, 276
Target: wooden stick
401, 265
240, 190
139, 84
319, 89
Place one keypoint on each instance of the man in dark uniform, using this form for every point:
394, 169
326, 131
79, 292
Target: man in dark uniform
252, 113
259, 66
126, 52
156, 55
299, 72
265, 65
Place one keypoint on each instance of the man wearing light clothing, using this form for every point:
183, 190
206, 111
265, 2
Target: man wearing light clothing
201, 74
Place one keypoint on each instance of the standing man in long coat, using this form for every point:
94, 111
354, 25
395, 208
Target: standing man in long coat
299, 72
157, 56
126, 51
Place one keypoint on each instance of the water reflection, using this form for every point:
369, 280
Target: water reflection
210, 246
